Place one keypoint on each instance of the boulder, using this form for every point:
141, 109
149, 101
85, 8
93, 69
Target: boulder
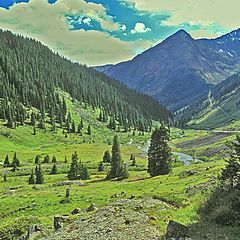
176, 231
192, 172
132, 197
58, 223
123, 193
92, 208
127, 221
139, 207
153, 218
75, 211
114, 195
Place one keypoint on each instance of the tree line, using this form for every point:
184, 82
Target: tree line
159, 161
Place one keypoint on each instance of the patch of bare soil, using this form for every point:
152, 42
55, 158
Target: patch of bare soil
124, 219
203, 141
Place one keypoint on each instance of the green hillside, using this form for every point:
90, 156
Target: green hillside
31, 76
218, 113
220, 108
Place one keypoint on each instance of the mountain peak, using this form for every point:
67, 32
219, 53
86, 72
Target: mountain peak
181, 34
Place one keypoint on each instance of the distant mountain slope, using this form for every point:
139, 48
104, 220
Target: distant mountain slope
30, 74
221, 107
180, 69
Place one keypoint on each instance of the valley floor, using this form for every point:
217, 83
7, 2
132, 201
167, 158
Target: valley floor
130, 209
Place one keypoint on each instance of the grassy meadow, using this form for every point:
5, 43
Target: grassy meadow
180, 193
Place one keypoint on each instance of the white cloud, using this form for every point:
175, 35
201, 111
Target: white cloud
123, 27
194, 12
48, 24
87, 21
140, 28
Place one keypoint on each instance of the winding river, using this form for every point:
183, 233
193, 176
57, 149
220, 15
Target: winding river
185, 158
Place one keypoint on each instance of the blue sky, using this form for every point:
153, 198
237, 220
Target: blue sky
108, 31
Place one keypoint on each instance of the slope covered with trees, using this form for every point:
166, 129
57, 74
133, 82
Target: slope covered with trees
31, 74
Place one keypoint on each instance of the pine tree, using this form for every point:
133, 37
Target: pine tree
74, 173
231, 174
33, 120
73, 127
80, 128
100, 167
34, 130
159, 153
124, 174
112, 124
5, 177
54, 159
133, 159
10, 122
31, 179
14, 167
89, 131
116, 161
64, 106
100, 118
82, 123
41, 123
46, 159
54, 169
6, 162
105, 118
37, 159
84, 174
67, 195
39, 175
16, 161
68, 124
107, 157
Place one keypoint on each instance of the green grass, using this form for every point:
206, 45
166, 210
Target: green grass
222, 113
19, 201
47, 197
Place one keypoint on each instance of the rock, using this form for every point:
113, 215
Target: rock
139, 207
92, 208
176, 230
33, 229
132, 197
127, 221
191, 172
114, 195
58, 224
18, 232
108, 230
75, 211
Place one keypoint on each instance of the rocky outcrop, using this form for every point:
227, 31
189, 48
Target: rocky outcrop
176, 231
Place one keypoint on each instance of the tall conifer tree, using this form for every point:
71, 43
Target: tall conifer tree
159, 153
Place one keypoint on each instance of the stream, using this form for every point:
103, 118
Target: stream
185, 158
